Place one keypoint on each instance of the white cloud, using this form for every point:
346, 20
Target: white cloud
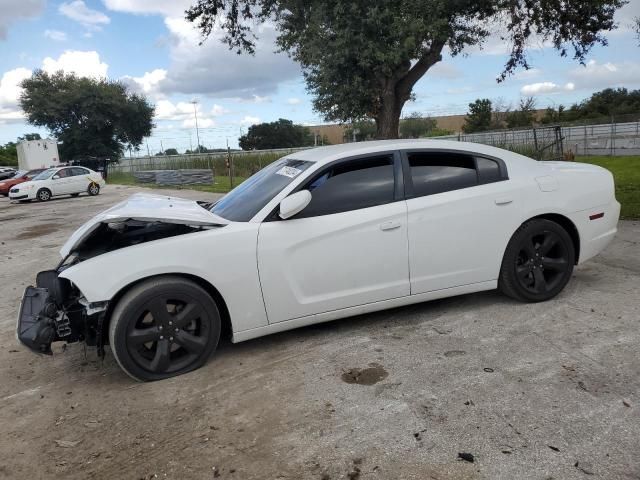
219, 110
212, 69
13, 10
169, 8
527, 74
184, 112
55, 35
444, 70
294, 101
10, 93
249, 120
77, 10
542, 88
202, 123
459, 90
148, 84
603, 75
10, 86
83, 64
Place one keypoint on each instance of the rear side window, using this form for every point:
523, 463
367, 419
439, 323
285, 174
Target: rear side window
437, 172
488, 170
351, 185
79, 171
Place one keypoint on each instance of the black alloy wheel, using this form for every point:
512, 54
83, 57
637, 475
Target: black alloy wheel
164, 327
538, 261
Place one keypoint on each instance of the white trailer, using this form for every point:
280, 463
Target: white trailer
38, 154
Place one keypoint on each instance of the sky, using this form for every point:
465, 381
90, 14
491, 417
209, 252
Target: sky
148, 45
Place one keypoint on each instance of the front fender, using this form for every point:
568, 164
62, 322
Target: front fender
224, 257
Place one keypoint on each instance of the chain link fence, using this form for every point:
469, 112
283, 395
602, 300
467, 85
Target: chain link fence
558, 141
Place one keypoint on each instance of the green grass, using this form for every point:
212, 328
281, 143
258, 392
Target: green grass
222, 184
626, 172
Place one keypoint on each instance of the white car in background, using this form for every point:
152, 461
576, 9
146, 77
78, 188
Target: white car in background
318, 235
54, 182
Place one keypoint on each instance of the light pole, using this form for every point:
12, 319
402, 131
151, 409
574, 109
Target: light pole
195, 114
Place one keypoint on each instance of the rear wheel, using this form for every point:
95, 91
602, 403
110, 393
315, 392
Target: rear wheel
94, 189
44, 195
164, 327
538, 262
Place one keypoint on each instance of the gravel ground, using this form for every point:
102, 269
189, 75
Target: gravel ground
544, 391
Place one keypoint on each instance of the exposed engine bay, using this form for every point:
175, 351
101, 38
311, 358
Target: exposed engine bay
55, 310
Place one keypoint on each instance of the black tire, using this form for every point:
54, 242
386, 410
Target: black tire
75, 194
538, 262
43, 195
177, 342
93, 189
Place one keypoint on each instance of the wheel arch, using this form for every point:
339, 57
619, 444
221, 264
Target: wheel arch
225, 317
569, 227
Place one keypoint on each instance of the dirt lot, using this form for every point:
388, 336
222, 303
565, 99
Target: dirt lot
532, 391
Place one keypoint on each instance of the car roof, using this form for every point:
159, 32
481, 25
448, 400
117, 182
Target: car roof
335, 152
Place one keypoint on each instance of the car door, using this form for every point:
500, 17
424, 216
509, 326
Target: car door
62, 182
81, 179
348, 247
462, 211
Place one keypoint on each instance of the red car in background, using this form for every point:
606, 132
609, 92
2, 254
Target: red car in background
19, 177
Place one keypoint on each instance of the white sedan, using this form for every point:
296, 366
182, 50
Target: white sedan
318, 235
54, 182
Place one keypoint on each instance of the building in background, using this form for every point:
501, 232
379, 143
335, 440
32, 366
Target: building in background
34, 154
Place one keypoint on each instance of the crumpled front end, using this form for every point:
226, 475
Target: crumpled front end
54, 310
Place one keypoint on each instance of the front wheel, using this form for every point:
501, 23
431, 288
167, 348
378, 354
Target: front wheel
44, 195
538, 261
164, 327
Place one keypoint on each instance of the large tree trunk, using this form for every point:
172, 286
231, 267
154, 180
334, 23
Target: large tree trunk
397, 90
388, 119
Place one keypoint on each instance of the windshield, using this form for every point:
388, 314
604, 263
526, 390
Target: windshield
20, 174
44, 175
248, 198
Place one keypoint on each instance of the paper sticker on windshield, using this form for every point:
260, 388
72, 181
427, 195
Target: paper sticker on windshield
290, 172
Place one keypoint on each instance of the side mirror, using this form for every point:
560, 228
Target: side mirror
56, 177
294, 204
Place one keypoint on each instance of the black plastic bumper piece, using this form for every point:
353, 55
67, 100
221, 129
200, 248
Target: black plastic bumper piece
35, 329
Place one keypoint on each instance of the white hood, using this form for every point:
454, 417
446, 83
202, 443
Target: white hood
147, 208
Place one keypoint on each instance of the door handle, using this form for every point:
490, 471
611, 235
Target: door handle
503, 200
389, 225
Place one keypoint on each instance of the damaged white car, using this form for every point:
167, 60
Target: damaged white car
318, 235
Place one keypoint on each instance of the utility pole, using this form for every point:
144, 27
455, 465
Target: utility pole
195, 114
161, 147
229, 164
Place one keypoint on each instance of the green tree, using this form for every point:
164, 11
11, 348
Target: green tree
416, 126
479, 117
168, 151
29, 136
96, 118
279, 134
361, 59
524, 115
9, 154
360, 130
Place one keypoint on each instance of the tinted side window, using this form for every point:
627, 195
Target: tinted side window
488, 170
351, 185
439, 172
80, 171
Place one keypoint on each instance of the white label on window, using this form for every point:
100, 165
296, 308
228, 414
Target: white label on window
290, 172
